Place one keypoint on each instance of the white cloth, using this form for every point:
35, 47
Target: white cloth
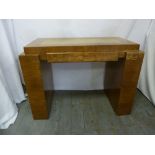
147, 77
11, 91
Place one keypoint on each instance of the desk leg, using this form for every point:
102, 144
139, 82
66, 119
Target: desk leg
31, 68
121, 81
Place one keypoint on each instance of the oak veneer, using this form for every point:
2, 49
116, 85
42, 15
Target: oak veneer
123, 62
121, 81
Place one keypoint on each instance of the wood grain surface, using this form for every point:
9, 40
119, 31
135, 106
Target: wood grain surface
31, 69
43, 46
121, 81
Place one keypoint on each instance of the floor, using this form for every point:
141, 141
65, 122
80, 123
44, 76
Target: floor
85, 113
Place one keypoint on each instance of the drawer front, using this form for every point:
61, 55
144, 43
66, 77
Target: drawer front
81, 57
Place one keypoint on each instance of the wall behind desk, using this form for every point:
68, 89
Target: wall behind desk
78, 76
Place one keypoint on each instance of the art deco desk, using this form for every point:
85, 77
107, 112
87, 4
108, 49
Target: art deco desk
123, 63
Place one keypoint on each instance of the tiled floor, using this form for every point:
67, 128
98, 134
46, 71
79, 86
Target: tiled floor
86, 113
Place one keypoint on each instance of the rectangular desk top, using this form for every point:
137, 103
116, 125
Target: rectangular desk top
84, 46
48, 42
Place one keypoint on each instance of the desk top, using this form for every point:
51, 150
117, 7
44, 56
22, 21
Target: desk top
50, 42
111, 45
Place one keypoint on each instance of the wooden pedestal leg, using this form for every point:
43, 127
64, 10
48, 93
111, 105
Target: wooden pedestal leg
121, 81
31, 69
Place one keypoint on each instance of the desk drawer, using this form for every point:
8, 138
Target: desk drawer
81, 57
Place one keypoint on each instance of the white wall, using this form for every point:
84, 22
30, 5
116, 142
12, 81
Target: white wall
78, 76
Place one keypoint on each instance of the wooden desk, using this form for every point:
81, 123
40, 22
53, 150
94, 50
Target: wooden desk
123, 63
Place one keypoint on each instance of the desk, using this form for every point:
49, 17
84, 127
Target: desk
123, 63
